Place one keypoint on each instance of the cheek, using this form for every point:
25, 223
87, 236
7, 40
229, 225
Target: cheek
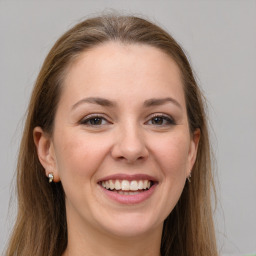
171, 157
78, 156
78, 159
172, 154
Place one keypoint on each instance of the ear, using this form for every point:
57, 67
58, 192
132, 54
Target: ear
45, 152
195, 137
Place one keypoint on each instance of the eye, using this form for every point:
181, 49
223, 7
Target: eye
94, 120
161, 120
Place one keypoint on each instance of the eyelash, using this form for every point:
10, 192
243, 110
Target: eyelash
87, 119
165, 118
96, 117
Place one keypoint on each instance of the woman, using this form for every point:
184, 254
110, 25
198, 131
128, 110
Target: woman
117, 125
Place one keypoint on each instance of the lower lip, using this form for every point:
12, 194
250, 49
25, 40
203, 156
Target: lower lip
130, 199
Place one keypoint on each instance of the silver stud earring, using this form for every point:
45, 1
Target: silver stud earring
188, 178
51, 177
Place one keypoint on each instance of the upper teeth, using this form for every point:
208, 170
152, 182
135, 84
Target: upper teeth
126, 185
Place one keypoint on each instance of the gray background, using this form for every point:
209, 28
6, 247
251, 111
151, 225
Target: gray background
220, 40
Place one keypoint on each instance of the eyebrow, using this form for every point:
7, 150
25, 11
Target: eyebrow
107, 103
161, 101
95, 100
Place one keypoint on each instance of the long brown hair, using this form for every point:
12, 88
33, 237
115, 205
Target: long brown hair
41, 227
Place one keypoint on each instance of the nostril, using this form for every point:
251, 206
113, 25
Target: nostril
130, 149
130, 158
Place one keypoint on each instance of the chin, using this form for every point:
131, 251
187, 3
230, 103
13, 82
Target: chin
131, 225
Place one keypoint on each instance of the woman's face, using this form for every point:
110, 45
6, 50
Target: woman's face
121, 144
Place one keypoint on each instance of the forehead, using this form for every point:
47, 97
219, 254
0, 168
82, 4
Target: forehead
113, 68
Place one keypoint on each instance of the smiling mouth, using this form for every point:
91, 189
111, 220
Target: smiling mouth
126, 187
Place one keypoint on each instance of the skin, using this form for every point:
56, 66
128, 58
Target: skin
127, 140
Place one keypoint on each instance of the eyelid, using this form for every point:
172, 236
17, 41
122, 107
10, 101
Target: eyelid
94, 115
167, 117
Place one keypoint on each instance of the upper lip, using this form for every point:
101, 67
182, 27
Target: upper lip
121, 176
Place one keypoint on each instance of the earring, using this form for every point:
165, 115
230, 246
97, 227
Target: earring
188, 178
51, 177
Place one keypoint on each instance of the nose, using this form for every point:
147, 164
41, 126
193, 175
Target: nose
129, 144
